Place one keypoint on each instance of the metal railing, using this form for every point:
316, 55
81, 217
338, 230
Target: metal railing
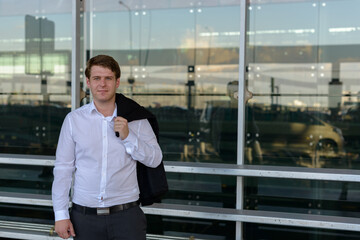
213, 213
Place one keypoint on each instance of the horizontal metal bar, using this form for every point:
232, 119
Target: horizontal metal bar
25, 230
328, 174
26, 198
31, 160
253, 216
225, 214
26, 234
301, 95
346, 175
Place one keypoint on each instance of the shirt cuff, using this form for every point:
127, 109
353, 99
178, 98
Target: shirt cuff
130, 142
61, 215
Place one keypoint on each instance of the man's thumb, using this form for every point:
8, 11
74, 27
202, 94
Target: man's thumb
72, 231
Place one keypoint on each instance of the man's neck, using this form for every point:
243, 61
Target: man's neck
106, 109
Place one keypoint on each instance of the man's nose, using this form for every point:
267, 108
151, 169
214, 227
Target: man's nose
102, 82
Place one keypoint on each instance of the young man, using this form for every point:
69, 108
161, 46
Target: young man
105, 193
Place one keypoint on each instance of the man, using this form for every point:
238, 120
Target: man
105, 192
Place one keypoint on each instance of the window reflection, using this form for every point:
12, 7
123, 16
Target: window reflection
34, 75
302, 70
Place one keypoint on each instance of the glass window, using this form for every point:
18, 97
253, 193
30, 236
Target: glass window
34, 74
35, 58
302, 70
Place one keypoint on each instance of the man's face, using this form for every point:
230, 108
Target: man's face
102, 84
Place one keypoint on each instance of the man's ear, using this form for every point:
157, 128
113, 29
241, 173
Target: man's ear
88, 82
117, 82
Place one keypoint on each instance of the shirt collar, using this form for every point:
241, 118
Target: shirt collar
92, 108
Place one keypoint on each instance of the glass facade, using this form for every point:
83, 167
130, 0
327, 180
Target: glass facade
181, 60
302, 69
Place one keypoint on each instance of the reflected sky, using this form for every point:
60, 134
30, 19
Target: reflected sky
174, 24
183, 25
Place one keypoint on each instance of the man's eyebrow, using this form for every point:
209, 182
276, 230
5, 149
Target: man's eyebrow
103, 76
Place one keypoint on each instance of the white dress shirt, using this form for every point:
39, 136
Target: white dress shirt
103, 165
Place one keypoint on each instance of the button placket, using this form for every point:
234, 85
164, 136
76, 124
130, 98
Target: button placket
103, 162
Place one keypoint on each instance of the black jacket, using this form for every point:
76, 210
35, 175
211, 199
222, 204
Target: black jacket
152, 181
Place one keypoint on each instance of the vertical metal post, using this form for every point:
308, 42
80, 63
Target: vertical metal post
241, 113
75, 55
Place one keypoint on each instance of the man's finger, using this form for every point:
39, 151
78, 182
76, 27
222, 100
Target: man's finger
72, 231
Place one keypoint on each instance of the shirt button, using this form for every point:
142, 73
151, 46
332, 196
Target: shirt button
102, 198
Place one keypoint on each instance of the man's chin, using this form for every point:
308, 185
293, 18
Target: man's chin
104, 98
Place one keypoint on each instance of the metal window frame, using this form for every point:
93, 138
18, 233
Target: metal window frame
241, 115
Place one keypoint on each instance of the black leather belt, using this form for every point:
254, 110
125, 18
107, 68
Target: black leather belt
105, 210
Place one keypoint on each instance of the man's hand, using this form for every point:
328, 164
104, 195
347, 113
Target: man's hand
64, 229
121, 126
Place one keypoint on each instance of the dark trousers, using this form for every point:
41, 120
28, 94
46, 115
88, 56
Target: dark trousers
129, 224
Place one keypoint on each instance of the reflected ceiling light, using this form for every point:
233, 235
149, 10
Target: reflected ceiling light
136, 69
312, 75
344, 29
250, 8
143, 13
143, 69
198, 75
314, 4
322, 74
312, 67
199, 10
323, 4
143, 76
321, 67
259, 7
198, 68
191, 10
136, 13
282, 31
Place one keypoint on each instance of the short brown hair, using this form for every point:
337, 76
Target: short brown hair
103, 61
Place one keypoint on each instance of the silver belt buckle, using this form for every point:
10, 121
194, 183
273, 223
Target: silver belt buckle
103, 211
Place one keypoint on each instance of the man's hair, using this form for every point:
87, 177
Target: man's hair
103, 61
